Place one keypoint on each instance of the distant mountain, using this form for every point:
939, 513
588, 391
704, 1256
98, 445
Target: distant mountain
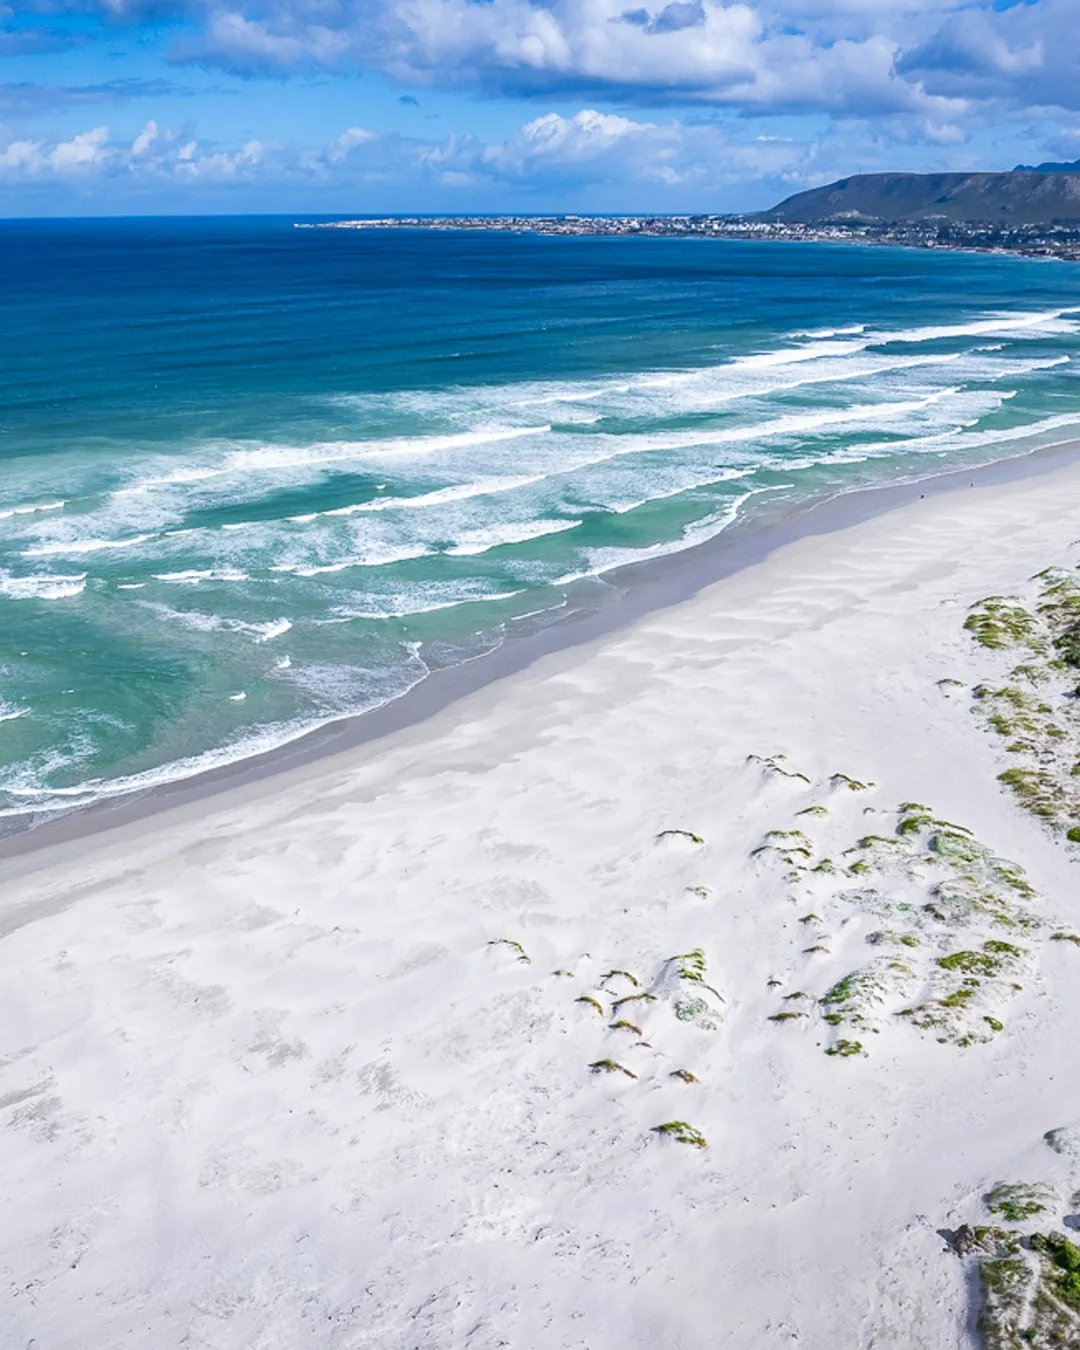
1019, 198
1049, 167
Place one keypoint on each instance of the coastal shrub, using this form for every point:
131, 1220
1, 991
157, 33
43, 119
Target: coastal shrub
846, 1049
1067, 645
632, 998
592, 1002
680, 1130
997, 622
772, 762
1018, 1200
515, 947
610, 1066
1035, 789
971, 963
685, 834
695, 1010
625, 974
1064, 1260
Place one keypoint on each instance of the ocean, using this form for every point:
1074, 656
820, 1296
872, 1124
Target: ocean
256, 478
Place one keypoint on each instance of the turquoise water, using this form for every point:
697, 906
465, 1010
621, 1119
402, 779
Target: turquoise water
255, 478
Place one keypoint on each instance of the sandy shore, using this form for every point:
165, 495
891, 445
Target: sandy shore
273, 1074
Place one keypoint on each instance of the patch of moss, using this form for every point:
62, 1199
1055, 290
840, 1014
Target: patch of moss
623, 1025
1066, 937
813, 811
786, 1016
994, 1023
684, 1075
853, 784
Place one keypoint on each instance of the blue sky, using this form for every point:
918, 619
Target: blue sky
119, 106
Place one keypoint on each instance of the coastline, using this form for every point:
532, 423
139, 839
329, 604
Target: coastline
319, 1059
1057, 243
630, 592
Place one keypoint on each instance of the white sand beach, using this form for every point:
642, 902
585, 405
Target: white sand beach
273, 1074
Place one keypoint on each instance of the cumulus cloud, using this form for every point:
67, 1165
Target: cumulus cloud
679, 50
587, 148
935, 61
925, 58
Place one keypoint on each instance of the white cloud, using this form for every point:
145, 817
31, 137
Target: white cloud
145, 139
587, 148
83, 154
346, 142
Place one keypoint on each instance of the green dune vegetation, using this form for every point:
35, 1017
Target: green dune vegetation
954, 934
1037, 711
1028, 1281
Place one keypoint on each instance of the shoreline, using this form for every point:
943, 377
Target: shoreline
632, 592
1046, 243
606, 1010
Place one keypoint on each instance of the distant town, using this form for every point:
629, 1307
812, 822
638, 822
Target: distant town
1034, 240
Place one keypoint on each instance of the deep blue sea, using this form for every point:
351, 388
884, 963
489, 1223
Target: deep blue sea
254, 477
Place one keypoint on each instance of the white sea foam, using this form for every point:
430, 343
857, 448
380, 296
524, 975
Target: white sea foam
53, 587
847, 330
997, 324
40, 798
272, 457
820, 420
459, 492
72, 547
787, 356
709, 480
382, 559
497, 536
409, 610
10, 712
194, 576
214, 623
31, 510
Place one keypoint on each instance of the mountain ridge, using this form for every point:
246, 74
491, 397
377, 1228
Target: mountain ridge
1018, 197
